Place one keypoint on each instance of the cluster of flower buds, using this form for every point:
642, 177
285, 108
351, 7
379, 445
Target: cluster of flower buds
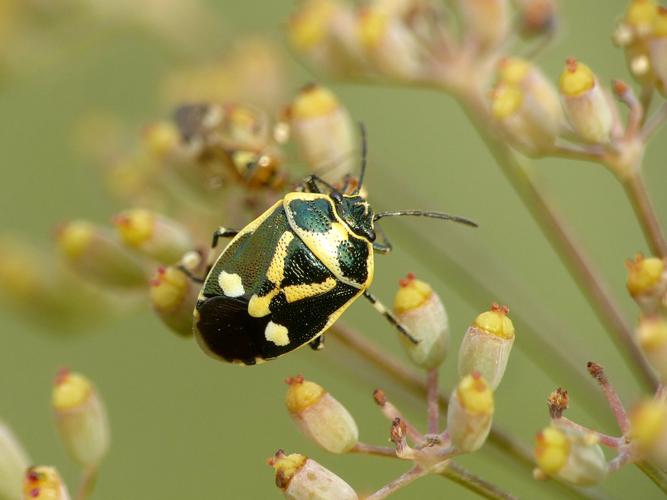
44, 483
571, 455
300, 477
13, 464
486, 346
320, 416
643, 35
81, 418
421, 311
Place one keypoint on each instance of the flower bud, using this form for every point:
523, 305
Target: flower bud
323, 31
153, 235
657, 46
320, 416
652, 339
586, 105
81, 418
173, 296
301, 478
161, 139
13, 463
324, 132
44, 483
647, 282
570, 455
97, 256
486, 345
485, 22
421, 311
389, 43
648, 430
470, 413
537, 17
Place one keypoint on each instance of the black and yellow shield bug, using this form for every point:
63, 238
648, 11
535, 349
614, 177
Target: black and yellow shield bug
289, 274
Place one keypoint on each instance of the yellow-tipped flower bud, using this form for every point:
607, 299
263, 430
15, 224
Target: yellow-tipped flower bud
486, 22
81, 418
652, 339
320, 416
420, 309
657, 47
324, 132
44, 483
13, 464
93, 253
537, 17
640, 15
173, 296
647, 282
570, 455
648, 430
585, 103
486, 345
153, 235
470, 413
389, 44
161, 139
301, 478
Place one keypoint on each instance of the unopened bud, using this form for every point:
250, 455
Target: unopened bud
173, 297
470, 413
537, 17
421, 311
389, 43
648, 430
161, 139
96, 255
657, 45
153, 235
13, 463
487, 344
486, 22
301, 478
570, 455
652, 339
44, 483
320, 416
81, 418
586, 106
647, 281
324, 132
639, 16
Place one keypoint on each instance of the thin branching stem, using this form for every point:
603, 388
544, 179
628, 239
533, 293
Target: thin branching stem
654, 123
371, 449
474, 483
87, 482
605, 439
641, 203
432, 398
398, 483
652, 472
614, 400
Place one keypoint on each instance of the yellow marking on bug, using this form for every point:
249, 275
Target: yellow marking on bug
298, 292
258, 307
276, 271
276, 333
231, 284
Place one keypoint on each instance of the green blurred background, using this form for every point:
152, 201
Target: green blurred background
185, 426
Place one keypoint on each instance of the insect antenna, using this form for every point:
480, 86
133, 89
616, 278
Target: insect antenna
421, 213
364, 152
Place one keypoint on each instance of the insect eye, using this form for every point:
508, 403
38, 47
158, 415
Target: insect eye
336, 196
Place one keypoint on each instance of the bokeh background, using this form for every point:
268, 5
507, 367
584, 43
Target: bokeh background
186, 426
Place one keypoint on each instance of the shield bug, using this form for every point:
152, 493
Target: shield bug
289, 274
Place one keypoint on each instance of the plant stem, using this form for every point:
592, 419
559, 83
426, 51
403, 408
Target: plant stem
653, 473
578, 263
654, 123
371, 449
432, 398
636, 190
398, 483
411, 380
605, 439
474, 483
615, 403
87, 482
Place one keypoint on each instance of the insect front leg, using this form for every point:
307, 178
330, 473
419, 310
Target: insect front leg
192, 260
317, 344
221, 232
382, 247
379, 307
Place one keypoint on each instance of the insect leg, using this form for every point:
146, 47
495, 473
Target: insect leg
317, 344
384, 246
222, 232
379, 307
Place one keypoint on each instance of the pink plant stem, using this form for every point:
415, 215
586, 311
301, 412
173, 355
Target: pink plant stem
391, 412
371, 449
617, 408
432, 398
654, 123
398, 483
605, 439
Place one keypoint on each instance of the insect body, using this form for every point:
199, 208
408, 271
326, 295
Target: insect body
289, 274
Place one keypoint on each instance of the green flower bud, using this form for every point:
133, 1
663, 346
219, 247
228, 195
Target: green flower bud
81, 418
486, 345
320, 416
570, 455
421, 311
13, 463
301, 478
470, 413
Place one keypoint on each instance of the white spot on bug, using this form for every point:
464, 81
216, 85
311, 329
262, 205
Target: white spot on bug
276, 333
231, 284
